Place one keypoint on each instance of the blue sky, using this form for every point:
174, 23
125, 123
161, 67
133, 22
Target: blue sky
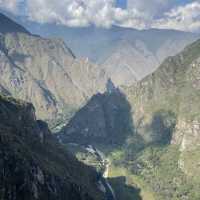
121, 3
142, 14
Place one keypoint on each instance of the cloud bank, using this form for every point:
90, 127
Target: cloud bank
10, 5
141, 14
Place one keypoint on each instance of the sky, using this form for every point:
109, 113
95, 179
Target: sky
141, 14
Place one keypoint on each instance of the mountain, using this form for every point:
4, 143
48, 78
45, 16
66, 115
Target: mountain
127, 55
148, 131
166, 113
157, 104
159, 150
33, 164
45, 72
173, 88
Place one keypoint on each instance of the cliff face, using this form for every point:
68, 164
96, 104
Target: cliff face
35, 166
46, 73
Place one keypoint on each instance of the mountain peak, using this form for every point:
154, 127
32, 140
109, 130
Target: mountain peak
9, 26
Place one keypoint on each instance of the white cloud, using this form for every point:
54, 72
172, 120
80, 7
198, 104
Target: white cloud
72, 13
10, 5
84, 12
141, 14
186, 18
151, 8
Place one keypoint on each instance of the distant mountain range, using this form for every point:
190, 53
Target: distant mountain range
126, 54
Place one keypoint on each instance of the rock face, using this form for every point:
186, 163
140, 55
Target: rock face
126, 54
187, 136
45, 72
35, 166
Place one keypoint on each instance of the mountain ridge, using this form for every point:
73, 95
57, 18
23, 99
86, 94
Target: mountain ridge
47, 73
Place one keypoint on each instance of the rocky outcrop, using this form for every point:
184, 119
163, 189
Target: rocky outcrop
33, 164
187, 135
126, 54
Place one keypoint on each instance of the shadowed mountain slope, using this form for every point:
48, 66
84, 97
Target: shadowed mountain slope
34, 165
105, 119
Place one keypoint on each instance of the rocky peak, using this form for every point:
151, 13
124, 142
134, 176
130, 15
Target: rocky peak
110, 87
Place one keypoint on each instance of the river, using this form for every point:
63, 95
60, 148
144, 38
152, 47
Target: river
110, 194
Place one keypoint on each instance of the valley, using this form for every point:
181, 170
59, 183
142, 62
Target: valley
110, 117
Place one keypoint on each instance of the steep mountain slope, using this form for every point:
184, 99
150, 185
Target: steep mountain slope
35, 166
166, 115
162, 149
126, 54
173, 88
45, 72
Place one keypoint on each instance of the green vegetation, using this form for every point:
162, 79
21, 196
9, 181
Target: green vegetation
87, 157
191, 161
156, 174
128, 186
161, 104
161, 109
